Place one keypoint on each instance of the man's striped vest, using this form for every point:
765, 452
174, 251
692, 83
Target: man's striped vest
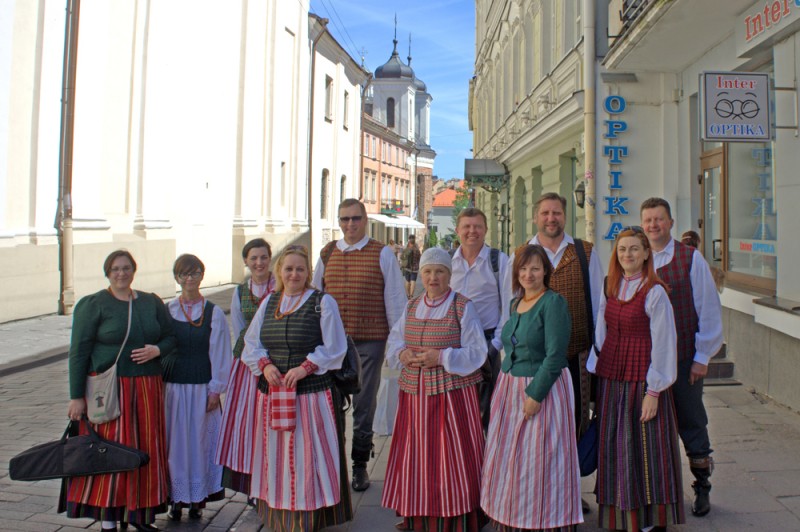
676, 275
355, 280
567, 280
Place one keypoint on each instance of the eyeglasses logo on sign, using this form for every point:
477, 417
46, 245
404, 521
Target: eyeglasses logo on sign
735, 107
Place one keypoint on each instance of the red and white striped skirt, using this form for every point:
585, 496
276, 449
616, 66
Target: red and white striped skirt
235, 443
138, 495
531, 476
297, 470
435, 458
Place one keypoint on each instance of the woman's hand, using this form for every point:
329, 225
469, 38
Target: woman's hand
649, 408
429, 358
145, 354
273, 375
293, 375
530, 408
76, 409
408, 358
212, 403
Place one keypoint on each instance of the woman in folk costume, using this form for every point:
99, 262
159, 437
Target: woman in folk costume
99, 328
294, 341
433, 474
195, 375
235, 445
531, 476
639, 464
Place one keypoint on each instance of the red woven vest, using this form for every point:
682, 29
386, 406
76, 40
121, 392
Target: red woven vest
355, 280
626, 350
437, 334
676, 275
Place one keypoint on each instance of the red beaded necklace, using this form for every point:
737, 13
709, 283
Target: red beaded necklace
188, 317
263, 296
434, 303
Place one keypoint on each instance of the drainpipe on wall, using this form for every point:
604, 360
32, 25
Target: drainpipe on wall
324, 23
362, 185
589, 114
63, 222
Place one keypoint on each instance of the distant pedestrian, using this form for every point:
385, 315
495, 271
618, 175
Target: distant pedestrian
409, 261
638, 466
99, 326
434, 467
698, 314
195, 374
362, 275
235, 445
531, 477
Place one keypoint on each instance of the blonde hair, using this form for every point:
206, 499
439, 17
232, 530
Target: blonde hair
294, 249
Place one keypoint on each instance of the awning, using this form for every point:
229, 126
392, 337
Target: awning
405, 221
396, 221
382, 218
483, 168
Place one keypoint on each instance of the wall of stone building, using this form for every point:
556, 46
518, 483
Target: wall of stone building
764, 358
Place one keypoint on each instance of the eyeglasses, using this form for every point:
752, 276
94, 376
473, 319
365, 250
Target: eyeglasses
346, 219
192, 275
296, 248
121, 269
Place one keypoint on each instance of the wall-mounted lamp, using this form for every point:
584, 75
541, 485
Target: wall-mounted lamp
580, 194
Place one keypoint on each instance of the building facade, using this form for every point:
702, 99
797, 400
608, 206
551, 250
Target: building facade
738, 195
397, 159
180, 143
526, 111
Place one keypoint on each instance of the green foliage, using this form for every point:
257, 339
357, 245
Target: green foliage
461, 202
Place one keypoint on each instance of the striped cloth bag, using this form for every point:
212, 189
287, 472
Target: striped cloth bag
283, 408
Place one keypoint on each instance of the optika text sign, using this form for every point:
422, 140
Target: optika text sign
735, 106
772, 14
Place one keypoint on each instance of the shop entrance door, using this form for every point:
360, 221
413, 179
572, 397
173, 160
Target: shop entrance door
712, 182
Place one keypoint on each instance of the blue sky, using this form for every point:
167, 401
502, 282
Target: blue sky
442, 55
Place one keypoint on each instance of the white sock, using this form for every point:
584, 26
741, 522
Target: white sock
109, 524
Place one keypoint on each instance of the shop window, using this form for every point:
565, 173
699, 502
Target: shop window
751, 214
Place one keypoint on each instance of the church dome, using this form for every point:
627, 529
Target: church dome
394, 67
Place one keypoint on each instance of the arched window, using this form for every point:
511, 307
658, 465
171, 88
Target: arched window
323, 194
342, 186
390, 112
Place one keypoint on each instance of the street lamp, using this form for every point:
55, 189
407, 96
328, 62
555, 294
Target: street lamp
580, 194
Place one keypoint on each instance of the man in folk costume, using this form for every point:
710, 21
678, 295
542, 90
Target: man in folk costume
698, 319
363, 276
568, 279
478, 271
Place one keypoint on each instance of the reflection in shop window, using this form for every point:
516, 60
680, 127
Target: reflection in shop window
752, 213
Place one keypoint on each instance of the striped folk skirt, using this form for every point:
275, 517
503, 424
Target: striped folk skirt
639, 464
235, 443
300, 477
133, 496
531, 476
435, 460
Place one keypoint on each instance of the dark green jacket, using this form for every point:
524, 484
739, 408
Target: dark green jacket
535, 343
99, 323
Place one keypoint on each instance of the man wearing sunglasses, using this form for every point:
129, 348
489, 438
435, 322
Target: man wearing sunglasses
363, 276
698, 320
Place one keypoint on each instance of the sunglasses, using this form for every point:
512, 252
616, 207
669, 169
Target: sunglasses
346, 219
191, 275
296, 248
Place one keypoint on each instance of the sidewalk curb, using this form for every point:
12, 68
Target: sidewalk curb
40, 359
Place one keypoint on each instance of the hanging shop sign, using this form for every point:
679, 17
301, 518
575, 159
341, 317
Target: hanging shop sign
615, 106
735, 107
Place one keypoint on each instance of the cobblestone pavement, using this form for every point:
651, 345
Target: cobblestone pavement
756, 483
